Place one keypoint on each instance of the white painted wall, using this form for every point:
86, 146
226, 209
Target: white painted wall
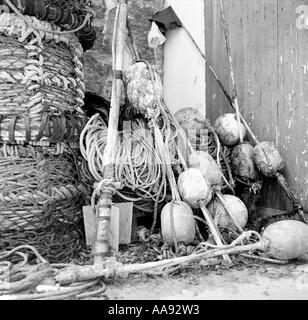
184, 68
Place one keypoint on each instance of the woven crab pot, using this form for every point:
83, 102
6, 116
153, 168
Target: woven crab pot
41, 82
69, 3
17, 150
68, 14
37, 190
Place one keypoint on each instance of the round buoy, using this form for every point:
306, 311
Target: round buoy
203, 161
237, 210
193, 188
268, 159
190, 119
288, 239
242, 161
226, 127
184, 223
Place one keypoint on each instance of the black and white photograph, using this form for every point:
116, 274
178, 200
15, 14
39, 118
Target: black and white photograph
154, 153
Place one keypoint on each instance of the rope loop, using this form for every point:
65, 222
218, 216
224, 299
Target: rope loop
106, 185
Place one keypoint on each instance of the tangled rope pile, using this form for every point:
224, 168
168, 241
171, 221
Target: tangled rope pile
57, 242
140, 163
41, 83
137, 165
75, 6
24, 281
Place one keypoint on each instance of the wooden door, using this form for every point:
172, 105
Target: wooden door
269, 43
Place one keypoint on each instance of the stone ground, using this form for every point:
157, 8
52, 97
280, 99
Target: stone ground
248, 281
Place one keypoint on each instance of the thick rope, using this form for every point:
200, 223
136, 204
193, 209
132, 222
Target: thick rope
137, 164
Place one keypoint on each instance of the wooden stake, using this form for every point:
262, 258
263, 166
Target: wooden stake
101, 244
85, 273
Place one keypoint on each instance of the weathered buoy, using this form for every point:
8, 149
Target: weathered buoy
288, 239
242, 161
268, 159
193, 188
190, 119
141, 91
236, 208
203, 161
184, 223
271, 164
226, 127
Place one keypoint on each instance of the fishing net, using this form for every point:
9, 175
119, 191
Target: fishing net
58, 242
142, 89
38, 189
72, 4
41, 83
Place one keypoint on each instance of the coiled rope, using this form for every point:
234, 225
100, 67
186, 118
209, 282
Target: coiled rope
137, 163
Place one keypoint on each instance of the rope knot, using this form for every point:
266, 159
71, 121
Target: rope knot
106, 185
216, 188
152, 123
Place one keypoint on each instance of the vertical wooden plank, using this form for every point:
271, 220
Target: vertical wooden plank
269, 126
126, 218
268, 71
244, 22
216, 52
302, 117
114, 236
288, 107
271, 67
235, 20
209, 80
252, 52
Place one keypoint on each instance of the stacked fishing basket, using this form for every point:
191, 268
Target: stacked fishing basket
41, 116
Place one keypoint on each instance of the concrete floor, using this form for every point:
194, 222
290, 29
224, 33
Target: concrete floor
250, 282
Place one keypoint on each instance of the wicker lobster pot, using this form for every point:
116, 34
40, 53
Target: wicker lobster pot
38, 189
41, 83
76, 4
73, 15
17, 150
